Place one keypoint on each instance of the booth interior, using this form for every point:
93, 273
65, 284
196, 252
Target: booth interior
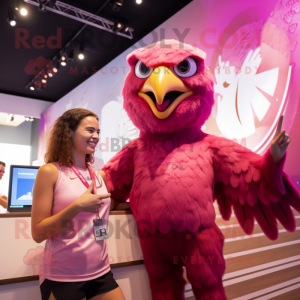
252, 52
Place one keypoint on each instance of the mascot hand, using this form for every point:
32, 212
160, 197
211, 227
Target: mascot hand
279, 142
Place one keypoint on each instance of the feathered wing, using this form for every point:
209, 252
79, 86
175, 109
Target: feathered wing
254, 187
119, 172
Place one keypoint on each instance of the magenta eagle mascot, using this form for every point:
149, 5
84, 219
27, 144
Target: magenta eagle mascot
174, 171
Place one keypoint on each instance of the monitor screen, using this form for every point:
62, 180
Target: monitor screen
21, 183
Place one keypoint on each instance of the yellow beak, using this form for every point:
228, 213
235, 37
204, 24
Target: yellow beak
160, 82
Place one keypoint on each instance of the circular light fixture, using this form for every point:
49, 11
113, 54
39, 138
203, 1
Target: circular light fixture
54, 70
63, 58
32, 87
138, 1
119, 25
45, 76
50, 74
12, 23
9, 118
23, 11
44, 81
63, 63
81, 56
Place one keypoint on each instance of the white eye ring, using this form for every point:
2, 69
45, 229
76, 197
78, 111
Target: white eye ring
141, 71
191, 68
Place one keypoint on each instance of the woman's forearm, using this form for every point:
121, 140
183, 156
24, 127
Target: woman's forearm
3, 202
53, 225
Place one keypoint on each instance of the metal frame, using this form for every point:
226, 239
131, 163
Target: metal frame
82, 16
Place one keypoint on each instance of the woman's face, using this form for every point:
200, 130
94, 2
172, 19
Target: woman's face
86, 136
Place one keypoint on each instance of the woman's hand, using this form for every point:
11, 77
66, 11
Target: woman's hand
89, 202
279, 142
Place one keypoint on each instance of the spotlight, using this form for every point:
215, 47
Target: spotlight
70, 55
56, 66
117, 27
29, 119
44, 81
9, 118
23, 11
138, 1
81, 51
117, 5
50, 74
63, 58
32, 87
45, 76
42, 6
63, 63
11, 18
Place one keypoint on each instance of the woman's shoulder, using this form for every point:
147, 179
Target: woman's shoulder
49, 169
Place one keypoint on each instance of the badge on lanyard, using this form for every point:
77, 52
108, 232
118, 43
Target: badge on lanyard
100, 231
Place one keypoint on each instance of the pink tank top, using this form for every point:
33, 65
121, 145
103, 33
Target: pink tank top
74, 254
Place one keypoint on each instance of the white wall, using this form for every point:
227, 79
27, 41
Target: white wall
22, 106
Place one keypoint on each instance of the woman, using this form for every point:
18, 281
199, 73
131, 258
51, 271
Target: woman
68, 195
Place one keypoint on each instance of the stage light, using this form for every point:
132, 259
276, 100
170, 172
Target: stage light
50, 74
44, 81
45, 76
81, 51
117, 5
63, 63
70, 55
63, 58
56, 66
9, 118
138, 1
23, 11
42, 6
12, 19
29, 119
32, 87
117, 27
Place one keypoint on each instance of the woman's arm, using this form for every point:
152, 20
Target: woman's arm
3, 201
43, 225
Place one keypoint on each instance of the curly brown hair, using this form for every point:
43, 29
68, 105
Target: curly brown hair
59, 145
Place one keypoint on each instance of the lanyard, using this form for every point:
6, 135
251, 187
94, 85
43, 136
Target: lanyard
83, 180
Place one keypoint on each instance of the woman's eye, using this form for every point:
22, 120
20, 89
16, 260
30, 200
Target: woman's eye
186, 68
141, 70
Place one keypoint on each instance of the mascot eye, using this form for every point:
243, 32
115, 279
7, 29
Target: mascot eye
186, 68
225, 84
141, 70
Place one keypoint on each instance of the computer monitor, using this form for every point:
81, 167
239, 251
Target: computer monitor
21, 183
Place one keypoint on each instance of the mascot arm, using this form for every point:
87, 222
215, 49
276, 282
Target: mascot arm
119, 173
254, 186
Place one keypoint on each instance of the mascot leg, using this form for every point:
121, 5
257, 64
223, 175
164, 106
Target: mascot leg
165, 277
205, 265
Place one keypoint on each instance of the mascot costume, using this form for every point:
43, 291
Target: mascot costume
174, 171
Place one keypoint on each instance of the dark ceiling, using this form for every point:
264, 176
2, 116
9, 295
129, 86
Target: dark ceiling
100, 46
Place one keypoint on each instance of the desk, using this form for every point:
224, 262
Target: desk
124, 252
